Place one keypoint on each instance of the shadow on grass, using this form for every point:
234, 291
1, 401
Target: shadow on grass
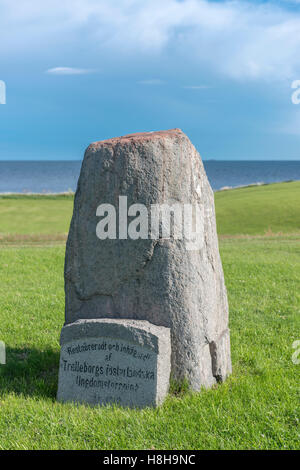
30, 372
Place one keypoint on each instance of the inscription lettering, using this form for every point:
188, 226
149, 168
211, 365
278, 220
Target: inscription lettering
115, 369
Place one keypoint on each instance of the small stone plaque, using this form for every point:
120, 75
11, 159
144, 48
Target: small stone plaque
114, 361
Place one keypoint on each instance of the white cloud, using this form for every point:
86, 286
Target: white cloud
237, 39
151, 81
67, 71
196, 87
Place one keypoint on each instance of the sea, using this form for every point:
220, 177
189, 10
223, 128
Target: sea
62, 176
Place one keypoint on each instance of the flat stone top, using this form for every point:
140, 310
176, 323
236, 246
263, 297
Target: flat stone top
138, 137
140, 332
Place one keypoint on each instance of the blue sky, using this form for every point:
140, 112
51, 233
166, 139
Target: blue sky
78, 71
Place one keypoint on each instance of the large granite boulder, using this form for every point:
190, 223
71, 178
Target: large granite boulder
172, 282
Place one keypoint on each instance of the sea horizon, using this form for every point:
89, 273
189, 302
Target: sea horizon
60, 176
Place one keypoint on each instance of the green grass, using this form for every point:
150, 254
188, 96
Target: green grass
256, 210
273, 208
257, 407
25, 215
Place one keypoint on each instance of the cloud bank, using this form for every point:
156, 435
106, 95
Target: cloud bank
240, 40
67, 71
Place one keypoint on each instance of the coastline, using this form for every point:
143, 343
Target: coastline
70, 193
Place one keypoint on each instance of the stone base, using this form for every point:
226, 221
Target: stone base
114, 361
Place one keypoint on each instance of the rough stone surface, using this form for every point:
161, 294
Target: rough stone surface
160, 281
114, 361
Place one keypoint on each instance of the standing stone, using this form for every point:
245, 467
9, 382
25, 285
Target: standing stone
164, 281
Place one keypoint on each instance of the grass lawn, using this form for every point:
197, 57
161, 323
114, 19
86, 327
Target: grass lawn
273, 208
257, 407
29, 217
